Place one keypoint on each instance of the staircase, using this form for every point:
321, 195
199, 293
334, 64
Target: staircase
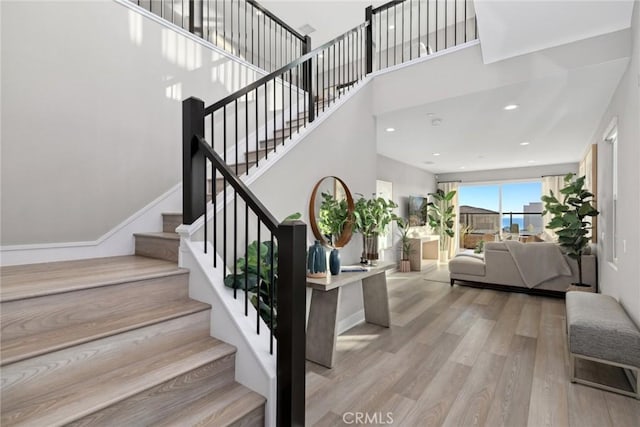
116, 341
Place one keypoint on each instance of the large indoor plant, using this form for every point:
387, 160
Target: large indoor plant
372, 218
442, 214
569, 218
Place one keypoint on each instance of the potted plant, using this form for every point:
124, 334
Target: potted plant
570, 218
405, 245
441, 214
332, 219
371, 218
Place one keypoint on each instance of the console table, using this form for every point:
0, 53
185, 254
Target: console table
322, 327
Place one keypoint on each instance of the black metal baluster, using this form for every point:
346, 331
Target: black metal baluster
235, 240
231, 29
379, 19
246, 32
410, 29
236, 134
271, 295
290, 103
246, 264
395, 34
224, 231
419, 19
446, 25
387, 24
282, 112
455, 23
465, 21
224, 130
257, 131
266, 112
402, 37
204, 196
273, 128
258, 279
298, 98
246, 133
214, 188
428, 19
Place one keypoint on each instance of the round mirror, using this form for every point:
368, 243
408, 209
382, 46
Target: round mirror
331, 212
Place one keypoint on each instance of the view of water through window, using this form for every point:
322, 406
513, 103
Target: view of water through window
505, 210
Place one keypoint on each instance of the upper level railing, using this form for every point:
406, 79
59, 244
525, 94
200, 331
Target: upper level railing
241, 27
407, 29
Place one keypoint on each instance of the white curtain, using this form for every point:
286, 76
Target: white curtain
451, 244
551, 183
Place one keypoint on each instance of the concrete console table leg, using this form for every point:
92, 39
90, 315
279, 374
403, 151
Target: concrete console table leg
322, 328
376, 300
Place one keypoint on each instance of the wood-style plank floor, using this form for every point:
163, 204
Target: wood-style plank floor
465, 357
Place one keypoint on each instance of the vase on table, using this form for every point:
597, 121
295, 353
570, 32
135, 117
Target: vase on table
317, 261
334, 262
370, 249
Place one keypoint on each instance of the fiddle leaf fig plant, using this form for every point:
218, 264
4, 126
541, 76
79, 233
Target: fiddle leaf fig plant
373, 216
333, 216
441, 215
256, 272
569, 217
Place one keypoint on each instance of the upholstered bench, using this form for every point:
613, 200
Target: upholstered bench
599, 329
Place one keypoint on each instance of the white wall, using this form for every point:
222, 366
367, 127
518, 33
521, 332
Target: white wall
509, 174
91, 114
407, 181
622, 280
344, 146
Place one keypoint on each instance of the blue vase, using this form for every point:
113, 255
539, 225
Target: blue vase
317, 261
334, 262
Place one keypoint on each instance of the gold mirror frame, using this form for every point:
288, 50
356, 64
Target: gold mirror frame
347, 230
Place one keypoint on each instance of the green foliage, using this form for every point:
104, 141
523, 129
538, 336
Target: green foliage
569, 215
254, 271
405, 241
333, 216
373, 216
442, 214
479, 247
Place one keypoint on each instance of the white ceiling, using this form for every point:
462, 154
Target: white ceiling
562, 91
514, 27
558, 115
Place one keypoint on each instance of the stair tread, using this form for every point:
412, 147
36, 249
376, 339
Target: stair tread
60, 405
18, 348
159, 235
33, 280
220, 408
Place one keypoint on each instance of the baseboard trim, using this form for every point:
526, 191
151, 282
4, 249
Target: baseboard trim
349, 322
117, 241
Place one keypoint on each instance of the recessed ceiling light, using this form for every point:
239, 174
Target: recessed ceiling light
391, 27
428, 162
390, 129
511, 107
525, 143
431, 114
461, 167
436, 122
436, 154
531, 161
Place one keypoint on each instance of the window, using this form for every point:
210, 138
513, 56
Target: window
612, 140
511, 210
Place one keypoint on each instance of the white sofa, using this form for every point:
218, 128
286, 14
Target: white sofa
498, 269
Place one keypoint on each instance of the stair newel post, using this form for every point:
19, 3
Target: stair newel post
291, 297
194, 165
368, 38
307, 79
196, 16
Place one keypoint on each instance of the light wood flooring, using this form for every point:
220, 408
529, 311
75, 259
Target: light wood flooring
462, 356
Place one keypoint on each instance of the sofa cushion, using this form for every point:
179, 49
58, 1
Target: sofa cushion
599, 327
467, 265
